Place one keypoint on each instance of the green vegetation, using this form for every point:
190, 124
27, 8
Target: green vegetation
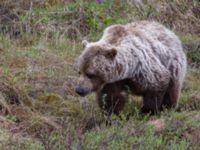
39, 42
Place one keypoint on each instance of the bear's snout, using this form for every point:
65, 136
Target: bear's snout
81, 91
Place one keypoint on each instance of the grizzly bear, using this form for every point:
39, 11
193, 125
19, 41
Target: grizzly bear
142, 58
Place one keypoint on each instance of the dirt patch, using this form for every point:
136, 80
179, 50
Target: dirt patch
158, 124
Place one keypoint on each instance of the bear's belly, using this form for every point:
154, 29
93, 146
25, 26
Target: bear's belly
135, 88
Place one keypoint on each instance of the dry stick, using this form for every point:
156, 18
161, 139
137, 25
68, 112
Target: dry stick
28, 28
51, 122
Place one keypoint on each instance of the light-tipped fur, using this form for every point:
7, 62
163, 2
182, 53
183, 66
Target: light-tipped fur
146, 53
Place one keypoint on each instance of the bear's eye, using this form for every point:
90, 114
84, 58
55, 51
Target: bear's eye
91, 76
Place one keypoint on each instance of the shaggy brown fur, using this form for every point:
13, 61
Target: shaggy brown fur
144, 55
113, 96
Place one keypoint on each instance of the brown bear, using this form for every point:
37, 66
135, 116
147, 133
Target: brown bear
142, 57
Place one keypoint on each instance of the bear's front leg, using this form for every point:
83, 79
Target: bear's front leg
112, 98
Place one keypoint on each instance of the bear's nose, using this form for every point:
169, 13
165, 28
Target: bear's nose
81, 91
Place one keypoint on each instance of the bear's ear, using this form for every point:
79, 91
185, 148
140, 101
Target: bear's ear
84, 43
111, 53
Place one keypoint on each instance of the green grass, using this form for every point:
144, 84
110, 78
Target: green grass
16, 142
39, 107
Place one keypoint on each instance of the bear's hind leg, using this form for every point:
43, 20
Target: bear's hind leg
152, 102
172, 95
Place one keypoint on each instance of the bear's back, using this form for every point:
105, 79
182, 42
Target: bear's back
152, 39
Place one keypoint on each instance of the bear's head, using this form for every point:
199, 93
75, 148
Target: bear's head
96, 66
